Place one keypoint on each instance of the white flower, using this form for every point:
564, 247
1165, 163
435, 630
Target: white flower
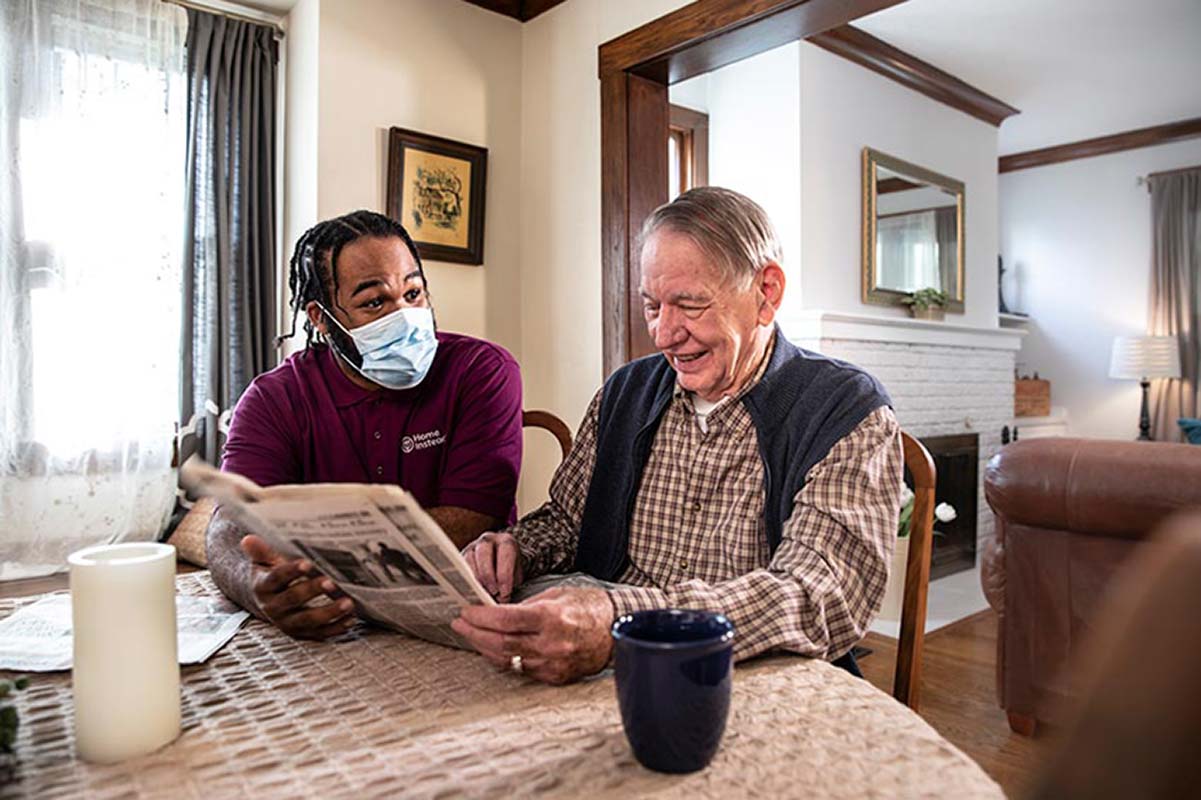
944, 512
906, 494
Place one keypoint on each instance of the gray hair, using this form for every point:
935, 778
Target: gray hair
730, 228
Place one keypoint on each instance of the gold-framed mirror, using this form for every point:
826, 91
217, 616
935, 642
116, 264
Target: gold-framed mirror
912, 231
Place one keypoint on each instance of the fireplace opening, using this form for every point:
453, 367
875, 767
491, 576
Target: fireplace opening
957, 459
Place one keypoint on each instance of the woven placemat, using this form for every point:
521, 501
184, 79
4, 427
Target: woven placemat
376, 714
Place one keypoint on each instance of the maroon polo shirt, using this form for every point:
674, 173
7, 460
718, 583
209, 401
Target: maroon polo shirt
453, 440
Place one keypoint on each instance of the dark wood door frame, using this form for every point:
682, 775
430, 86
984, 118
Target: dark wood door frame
635, 71
693, 129
1101, 145
913, 73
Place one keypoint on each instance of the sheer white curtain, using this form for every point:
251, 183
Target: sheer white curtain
907, 251
92, 132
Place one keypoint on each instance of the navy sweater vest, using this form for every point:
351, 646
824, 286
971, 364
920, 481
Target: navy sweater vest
804, 403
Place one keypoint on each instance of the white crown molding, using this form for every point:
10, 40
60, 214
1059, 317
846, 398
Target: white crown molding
814, 325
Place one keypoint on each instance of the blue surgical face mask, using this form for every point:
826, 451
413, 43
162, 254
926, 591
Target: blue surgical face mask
397, 349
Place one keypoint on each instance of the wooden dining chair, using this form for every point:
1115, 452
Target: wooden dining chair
548, 421
907, 682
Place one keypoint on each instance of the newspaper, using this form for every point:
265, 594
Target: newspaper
374, 541
37, 637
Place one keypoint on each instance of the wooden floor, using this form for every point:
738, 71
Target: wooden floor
959, 698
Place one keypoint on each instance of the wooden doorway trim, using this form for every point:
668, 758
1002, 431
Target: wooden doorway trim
635, 71
691, 129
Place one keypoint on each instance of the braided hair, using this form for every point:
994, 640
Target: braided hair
312, 274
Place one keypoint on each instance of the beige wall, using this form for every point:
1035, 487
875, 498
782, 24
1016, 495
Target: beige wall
300, 140
448, 69
560, 202
359, 67
530, 94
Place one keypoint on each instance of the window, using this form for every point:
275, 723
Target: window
102, 201
687, 150
92, 123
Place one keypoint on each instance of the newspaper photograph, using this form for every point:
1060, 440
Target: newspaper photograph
437, 555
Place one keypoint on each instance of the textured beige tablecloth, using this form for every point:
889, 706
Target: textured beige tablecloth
376, 714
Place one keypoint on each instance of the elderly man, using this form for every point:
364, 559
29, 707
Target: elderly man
734, 472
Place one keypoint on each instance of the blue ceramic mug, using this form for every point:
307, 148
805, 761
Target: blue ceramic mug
673, 685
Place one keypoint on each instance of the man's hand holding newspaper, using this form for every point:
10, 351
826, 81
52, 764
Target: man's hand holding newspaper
373, 542
284, 589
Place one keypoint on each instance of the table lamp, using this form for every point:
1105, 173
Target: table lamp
1142, 358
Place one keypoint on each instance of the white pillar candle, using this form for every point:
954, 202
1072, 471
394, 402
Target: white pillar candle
126, 673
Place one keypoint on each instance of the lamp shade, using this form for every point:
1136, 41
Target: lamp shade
1139, 357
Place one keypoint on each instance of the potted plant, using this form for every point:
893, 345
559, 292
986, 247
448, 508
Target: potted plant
9, 723
928, 303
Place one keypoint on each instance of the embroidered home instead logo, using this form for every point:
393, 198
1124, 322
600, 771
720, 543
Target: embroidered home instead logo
421, 441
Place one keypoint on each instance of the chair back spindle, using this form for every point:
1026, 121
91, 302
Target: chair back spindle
907, 681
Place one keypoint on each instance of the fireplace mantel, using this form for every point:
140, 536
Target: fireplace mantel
813, 325
944, 378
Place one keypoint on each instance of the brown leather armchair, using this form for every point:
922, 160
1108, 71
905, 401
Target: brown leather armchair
1069, 512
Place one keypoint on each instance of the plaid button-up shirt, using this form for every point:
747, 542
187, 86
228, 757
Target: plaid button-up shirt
697, 537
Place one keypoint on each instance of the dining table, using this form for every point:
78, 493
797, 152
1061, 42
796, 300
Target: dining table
377, 714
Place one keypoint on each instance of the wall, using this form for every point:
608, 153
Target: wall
300, 140
530, 94
1076, 239
692, 93
755, 144
560, 201
844, 108
448, 69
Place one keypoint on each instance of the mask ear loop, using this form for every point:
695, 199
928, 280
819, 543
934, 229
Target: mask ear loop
357, 360
331, 317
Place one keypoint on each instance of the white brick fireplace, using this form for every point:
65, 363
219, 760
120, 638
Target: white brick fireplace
944, 378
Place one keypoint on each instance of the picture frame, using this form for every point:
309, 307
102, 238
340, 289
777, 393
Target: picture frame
436, 189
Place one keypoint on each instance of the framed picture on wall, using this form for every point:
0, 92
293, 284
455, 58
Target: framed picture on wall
436, 190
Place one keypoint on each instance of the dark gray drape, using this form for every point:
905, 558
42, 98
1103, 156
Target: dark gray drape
230, 299
946, 228
1176, 293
